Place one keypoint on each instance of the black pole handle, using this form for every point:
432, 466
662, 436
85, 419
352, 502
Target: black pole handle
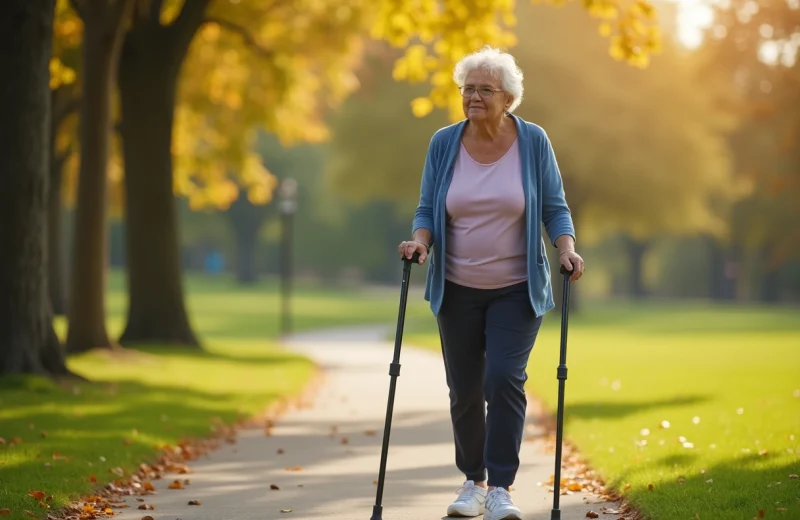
566, 271
414, 258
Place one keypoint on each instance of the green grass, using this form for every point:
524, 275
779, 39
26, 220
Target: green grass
156, 395
727, 379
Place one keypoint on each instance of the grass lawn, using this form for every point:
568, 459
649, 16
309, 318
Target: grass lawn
157, 396
723, 381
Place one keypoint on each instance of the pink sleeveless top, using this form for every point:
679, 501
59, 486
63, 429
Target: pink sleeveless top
486, 244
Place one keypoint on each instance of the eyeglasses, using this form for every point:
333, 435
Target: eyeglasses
483, 92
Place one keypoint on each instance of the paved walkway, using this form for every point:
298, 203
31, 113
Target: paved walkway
324, 458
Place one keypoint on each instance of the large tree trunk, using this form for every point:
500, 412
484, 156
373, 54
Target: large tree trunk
148, 74
103, 23
28, 343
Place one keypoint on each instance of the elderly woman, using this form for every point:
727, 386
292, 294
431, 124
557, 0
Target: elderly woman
488, 184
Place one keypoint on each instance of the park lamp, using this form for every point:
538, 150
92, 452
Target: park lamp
288, 196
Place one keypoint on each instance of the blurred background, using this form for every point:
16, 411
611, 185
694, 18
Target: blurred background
212, 175
683, 175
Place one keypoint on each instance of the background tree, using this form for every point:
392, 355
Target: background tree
754, 48
65, 102
103, 29
28, 343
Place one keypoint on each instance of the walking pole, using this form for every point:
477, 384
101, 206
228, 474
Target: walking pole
562, 379
394, 372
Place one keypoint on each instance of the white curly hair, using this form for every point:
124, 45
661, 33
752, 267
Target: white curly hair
499, 64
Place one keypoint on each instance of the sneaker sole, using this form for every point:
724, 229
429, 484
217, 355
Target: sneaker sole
507, 516
463, 514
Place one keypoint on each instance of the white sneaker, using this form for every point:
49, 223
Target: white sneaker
500, 507
469, 502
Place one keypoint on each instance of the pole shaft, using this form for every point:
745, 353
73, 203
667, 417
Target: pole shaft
394, 372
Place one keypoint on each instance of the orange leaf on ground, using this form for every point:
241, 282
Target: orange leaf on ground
592, 514
194, 502
176, 485
4, 512
93, 479
574, 486
148, 517
38, 495
273, 486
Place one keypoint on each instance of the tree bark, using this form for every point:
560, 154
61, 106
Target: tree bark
27, 337
103, 23
149, 66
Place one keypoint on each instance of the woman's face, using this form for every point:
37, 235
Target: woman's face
487, 101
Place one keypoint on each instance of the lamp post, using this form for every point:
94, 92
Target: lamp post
288, 207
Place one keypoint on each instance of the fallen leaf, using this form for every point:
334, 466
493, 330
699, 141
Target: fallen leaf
31, 514
280, 451
148, 517
176, 485
274, 486
194, 502
592, 514
93, 479
108, 511
286, 510
650, 487
344, 440
627, 486
148, 486
4, 512
148, 507
370, 433
761, 513
139, 499
574, 486
793, 475
126, 442
38, 495
781, 509
44, 505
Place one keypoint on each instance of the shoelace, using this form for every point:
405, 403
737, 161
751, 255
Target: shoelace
500, 496
466, 492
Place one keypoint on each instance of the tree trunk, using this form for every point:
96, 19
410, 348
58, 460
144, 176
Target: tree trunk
58, 297
636, 250
103, 32
148, 74
26, 329
246, 220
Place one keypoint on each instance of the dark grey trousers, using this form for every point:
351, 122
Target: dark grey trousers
487, 336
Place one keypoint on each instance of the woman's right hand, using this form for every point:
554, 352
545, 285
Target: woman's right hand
409, 247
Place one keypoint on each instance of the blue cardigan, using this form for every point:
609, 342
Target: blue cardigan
544, 202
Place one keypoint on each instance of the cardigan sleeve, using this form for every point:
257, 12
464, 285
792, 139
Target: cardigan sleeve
423, 216
556, 215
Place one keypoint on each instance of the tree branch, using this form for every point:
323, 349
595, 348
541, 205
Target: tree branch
248, 38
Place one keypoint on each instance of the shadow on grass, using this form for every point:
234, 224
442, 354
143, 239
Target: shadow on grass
618, 410
68, 435
731, 490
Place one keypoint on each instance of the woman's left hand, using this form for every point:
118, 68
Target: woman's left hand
572, 261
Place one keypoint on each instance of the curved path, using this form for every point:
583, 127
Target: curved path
324, 458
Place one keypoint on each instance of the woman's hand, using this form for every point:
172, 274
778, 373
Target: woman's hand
572, 261
409, 247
